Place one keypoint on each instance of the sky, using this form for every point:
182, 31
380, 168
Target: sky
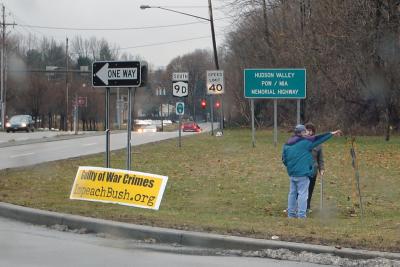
158, 45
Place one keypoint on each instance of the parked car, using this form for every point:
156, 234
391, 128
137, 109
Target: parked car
191, 127
20, 123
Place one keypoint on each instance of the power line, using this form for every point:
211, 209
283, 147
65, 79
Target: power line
115, 29
163, 43
107, 29
159, 43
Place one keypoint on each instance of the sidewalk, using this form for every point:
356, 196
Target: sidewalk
171, 236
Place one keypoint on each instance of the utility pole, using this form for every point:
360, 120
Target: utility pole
213, 35
3, 45
66, 85
3, 85
216, 67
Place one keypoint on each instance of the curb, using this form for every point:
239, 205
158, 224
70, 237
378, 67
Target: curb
50, 139
62, 138
170, 236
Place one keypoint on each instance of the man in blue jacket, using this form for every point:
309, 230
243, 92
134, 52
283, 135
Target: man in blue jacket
298, 159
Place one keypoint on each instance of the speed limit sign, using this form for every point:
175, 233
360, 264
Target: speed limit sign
215, 82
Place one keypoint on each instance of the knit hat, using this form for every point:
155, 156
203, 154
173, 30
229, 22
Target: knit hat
299, 129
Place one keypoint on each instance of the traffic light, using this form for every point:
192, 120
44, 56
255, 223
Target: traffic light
217, 104
203, 103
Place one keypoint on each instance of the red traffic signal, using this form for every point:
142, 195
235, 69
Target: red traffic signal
217, 104
203, 103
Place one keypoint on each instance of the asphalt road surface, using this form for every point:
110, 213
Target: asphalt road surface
29, 245
38, 152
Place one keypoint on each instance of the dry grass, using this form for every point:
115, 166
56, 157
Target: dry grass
224, 185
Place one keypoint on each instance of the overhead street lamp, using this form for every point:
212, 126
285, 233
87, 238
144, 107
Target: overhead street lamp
211, 20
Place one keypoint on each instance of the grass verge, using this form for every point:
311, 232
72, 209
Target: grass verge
223, 185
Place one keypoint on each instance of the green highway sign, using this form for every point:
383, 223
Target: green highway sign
275, 83
180, 108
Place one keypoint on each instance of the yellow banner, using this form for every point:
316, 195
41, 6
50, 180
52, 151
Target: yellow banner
137, 189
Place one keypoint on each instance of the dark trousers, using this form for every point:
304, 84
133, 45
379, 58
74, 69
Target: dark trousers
311, 190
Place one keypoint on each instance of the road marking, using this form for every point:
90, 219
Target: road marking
90, 144
21, 155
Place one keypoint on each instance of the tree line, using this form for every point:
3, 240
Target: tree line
38, 79
350, 49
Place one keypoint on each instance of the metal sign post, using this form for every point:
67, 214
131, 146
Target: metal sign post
129, 135
212, 114
222, 115
298, 111
253, 139
275, 122
180, 131
107, 127
118, 108
321, 203
215, 86
180, 110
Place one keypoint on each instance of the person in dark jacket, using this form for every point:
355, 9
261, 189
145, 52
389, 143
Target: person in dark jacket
298, 159
318, 164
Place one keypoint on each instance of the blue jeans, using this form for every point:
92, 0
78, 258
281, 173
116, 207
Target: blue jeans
297, 199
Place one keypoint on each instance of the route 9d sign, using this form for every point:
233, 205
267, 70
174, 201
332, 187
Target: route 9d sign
215, 82
180, 84
180, 88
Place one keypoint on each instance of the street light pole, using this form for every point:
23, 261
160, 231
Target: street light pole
211, 20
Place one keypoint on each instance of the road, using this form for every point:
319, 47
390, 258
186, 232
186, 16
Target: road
29, 245
38, 152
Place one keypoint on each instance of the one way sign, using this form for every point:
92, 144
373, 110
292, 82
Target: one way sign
116, 74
